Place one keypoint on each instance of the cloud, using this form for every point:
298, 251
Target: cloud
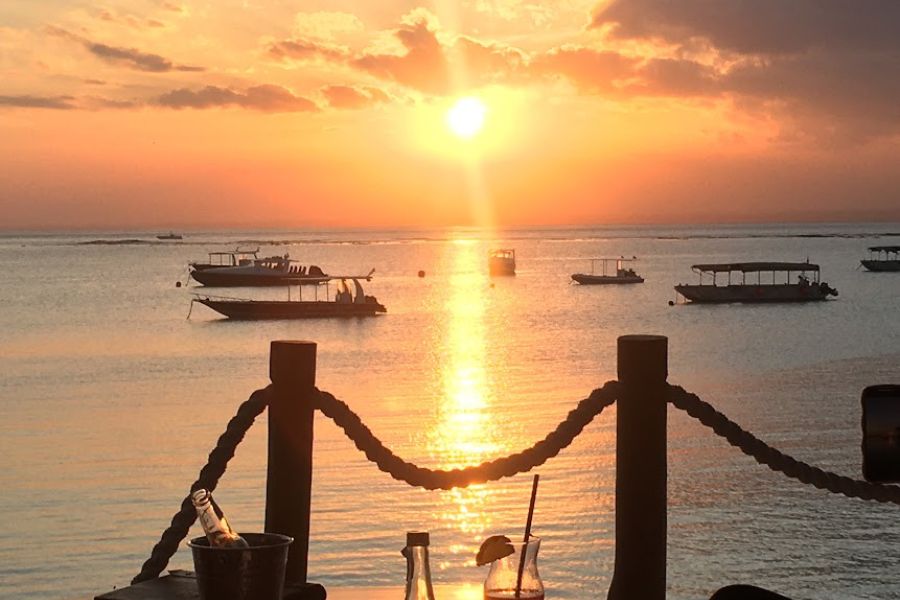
342, 96
760, 26
128, 19
128, 57
423, 66
135, 59
264, 98
588, 69
301, 49
432, 67
325, 25
172, 6
52, 102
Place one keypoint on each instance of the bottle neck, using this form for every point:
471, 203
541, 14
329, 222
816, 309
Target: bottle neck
418, 574
217, 529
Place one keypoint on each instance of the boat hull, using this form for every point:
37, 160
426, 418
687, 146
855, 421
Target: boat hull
585, 279
502, 268
217, 277
881, 266
287, 309
754, 294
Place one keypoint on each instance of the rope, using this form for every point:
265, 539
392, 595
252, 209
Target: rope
430, 479
208, 479
776, 460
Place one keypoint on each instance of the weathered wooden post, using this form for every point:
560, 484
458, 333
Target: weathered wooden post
640, 568
292, 369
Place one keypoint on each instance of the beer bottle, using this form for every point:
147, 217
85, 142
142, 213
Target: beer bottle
217, 529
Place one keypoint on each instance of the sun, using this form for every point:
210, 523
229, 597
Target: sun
466, 117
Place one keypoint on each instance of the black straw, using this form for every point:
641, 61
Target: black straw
527, 535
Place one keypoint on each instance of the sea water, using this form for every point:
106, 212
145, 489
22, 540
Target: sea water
111, 399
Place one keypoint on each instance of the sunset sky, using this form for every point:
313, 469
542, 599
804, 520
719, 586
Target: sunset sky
134, 114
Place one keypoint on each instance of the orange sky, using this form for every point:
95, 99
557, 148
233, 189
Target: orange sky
255, 113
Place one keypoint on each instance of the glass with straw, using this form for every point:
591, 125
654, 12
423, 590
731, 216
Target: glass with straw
514, 570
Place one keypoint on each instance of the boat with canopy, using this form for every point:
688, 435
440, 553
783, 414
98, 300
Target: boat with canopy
882, 259
344, 304
502, 261
622, 274
767, 282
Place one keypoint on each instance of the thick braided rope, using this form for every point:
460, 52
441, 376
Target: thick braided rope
208, 479
776, 460
431, 479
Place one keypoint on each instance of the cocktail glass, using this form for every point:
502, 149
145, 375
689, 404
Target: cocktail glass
502, 579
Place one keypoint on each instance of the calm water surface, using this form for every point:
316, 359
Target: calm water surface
111, 399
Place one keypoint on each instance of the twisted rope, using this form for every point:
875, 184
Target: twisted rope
776, 460
493, 470
208, 479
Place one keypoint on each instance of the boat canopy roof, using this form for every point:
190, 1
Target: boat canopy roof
234, 252
753, 267
884, 248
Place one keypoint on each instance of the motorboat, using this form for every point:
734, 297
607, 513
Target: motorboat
502, 261
170, 236
272, 270
711, 288
344, 304
882, 259
622, 274
238, 257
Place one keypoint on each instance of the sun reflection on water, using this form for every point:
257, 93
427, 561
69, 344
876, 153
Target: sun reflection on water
465, 431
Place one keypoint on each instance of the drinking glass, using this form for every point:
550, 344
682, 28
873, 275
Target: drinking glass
501, 579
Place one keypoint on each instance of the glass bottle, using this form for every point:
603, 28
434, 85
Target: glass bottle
418, 572
218, 531
504, 576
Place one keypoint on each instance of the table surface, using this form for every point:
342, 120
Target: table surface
444, 592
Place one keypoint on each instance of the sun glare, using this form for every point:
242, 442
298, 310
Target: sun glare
466, 117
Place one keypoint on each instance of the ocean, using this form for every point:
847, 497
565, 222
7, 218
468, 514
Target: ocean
111, 399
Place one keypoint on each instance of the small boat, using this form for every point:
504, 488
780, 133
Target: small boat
622, 275
170, 236
345, 304
272, 270
882, 259
768, 290
238, 257
502, 261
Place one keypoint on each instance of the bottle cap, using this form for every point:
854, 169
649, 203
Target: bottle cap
417, 538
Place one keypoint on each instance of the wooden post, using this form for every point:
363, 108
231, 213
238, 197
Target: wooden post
640, 567
292, 369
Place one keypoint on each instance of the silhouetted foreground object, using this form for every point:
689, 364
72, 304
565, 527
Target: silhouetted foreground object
746, 592
251, 572
182, 585
643, 395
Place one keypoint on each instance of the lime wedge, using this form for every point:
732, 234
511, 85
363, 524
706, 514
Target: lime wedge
494, 548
